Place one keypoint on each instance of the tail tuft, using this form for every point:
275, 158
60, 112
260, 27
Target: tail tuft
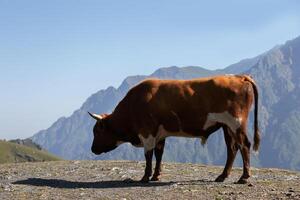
256, 141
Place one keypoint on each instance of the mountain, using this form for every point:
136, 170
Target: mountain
27, 142
243, 65
11, 152
277, 73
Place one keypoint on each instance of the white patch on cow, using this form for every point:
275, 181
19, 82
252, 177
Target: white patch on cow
209, 123
149, 142
225, 118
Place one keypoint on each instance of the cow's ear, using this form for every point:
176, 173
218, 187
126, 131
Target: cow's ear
95, 116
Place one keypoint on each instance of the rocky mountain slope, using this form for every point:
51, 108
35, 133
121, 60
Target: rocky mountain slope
11, 152
277, 73
27, 142
120, 180
278, 76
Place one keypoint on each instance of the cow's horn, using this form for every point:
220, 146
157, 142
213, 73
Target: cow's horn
95, 116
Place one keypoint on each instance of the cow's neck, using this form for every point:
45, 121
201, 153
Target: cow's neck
123, 130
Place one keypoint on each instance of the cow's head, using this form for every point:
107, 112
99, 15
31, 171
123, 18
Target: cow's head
104, 138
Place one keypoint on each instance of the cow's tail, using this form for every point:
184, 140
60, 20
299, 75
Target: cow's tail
256, 130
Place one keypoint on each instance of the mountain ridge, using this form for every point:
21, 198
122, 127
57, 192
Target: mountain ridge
276, 72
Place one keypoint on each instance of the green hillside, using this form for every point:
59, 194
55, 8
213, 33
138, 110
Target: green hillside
12, 152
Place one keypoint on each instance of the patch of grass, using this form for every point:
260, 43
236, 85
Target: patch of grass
11, 152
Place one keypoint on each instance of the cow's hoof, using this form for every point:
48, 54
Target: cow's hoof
145, 179
220, 179
242, 181
155, 178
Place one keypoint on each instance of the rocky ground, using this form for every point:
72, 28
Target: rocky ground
119, 180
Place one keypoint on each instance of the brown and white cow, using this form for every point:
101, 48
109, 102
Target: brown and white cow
156, 109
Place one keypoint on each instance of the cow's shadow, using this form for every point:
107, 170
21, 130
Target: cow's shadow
59, 183
65, 184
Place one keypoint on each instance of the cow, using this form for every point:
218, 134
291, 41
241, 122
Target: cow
155, 109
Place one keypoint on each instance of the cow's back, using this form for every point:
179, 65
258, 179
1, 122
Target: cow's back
184, 104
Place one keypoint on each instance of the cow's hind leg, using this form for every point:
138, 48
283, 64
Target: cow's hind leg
245, 151
148, 168
158, 151
231, 154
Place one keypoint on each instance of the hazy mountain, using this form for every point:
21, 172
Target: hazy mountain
277, 73
243, 65
278, 76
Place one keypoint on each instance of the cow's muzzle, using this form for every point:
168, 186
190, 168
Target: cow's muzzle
95, 151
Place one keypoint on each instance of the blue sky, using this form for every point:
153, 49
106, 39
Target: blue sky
54, 54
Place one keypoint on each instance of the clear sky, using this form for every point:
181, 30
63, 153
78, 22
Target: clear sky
55, 53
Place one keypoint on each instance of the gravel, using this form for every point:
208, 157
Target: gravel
120, 180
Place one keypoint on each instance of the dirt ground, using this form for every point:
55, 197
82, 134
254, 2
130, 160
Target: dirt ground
120, 180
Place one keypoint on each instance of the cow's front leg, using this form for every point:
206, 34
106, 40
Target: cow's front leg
148, 168
149, 143
158, 151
